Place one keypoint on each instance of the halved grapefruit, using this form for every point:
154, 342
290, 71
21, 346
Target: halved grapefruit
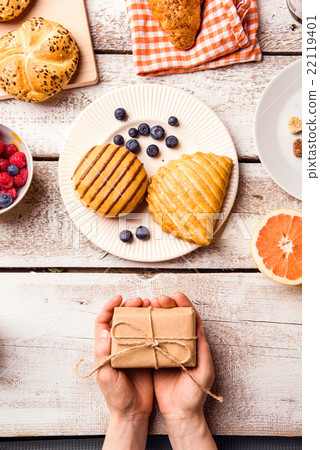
276, 246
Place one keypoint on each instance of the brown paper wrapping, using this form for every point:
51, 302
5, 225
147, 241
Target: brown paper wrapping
173, 324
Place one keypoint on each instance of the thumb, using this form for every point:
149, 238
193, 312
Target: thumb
204, 358
102, 347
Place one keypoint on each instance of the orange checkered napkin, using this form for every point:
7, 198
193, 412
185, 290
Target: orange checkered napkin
228, 35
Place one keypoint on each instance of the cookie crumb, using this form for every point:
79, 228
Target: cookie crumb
297, 148
294, 125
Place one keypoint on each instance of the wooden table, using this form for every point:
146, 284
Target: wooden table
46, 319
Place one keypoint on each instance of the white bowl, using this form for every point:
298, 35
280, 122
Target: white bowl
8, 136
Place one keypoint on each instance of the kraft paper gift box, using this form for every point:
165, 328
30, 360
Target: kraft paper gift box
143, 337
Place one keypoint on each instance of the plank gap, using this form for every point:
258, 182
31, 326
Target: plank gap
282, 53
250, 160
104, 51
45, 158
128, 270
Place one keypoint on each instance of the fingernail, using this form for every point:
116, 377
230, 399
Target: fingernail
201, 331
104, 336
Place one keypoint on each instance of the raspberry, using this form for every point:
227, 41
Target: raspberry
21, 178
11, 192
9, 150
6, 180
4, 164
1, 147
18, 159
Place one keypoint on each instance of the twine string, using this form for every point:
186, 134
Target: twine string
157, 344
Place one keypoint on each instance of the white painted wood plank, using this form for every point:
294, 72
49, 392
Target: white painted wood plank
278, 31
110, 29
252, 324
232, 92
39, 233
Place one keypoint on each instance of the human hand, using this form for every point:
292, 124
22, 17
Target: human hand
180, 400
128, 393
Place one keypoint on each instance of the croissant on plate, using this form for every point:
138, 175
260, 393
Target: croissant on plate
186, 195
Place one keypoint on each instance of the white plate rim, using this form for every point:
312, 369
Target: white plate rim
235, 169
267, 90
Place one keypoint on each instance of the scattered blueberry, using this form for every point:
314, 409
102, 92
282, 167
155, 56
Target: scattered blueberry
12, 170
133, 145
126, 236
157, 132
6, 200
118, 139
152, 150
133, 132
171, 142
120, 114
142, 233
173, 121
144, 129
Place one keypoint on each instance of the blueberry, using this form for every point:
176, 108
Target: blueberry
152, 150
133, 132
157, 132
171, 142
133, 145
118, 139
12, 170
173, 121
142, 233
5, 200
125, 236
120, 114
144, 129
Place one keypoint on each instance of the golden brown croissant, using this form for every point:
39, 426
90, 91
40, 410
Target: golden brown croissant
181, 19
37, 60
9, 9
185, 196
110, 180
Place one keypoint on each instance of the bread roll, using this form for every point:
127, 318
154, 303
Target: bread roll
181, 19
110, 180
37, 60
186, 195
9, 9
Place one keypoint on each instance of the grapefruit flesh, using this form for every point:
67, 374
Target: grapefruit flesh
276, 246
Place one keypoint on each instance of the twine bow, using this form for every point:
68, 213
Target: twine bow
157, 344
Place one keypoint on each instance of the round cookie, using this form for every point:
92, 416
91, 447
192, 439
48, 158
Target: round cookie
110, 180
9, 9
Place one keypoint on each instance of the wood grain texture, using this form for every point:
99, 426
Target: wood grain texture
42, 234
232, 92
253, 324
110, 28
256, 350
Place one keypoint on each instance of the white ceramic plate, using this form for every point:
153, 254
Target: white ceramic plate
281, 100
199, 130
